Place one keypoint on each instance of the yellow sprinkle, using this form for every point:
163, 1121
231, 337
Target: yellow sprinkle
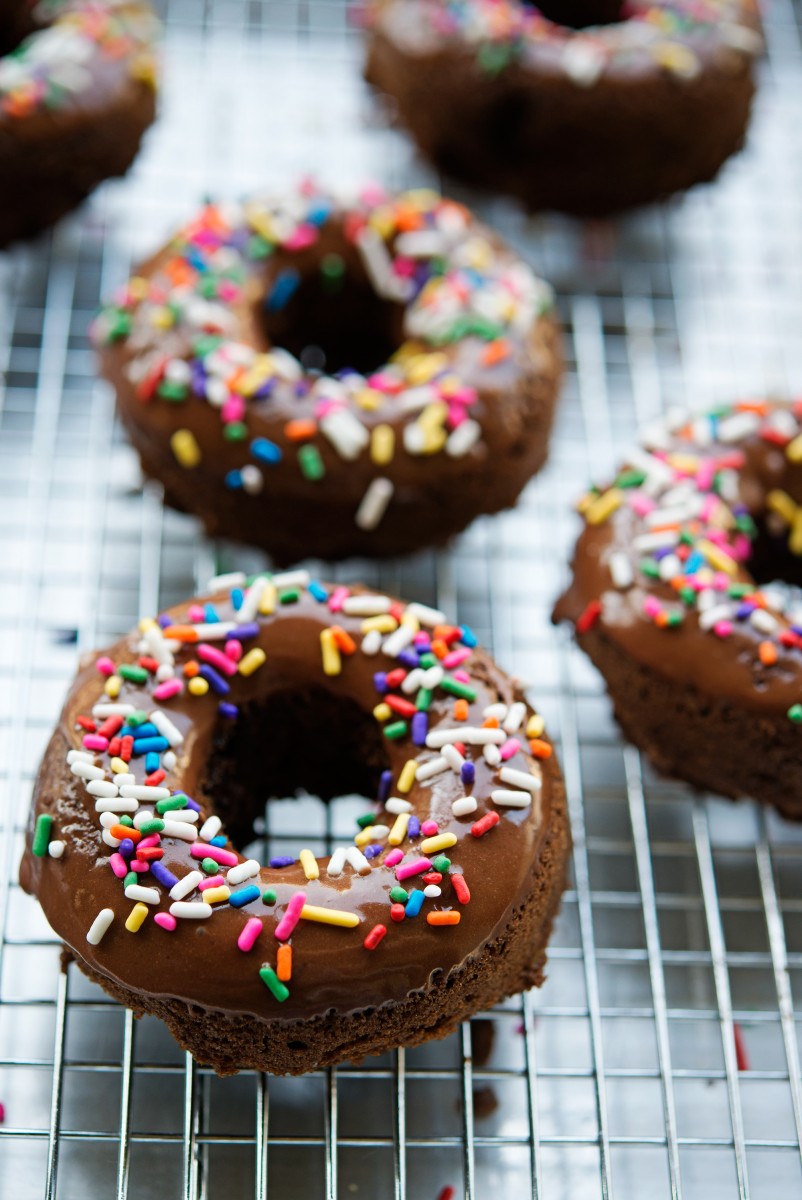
604, 506
267, 604
441, 841
332, 663
147, 623
382, 712
793, 451
364, 836
782, 504
216, 895
144, 70
382, 444
185, 448
136, 917
112, 686
368, 399
717, 558
383, 221
677, 59
262, 370
424, 367
688, 464
423, 198
433, 415
479, 253
198, 686
139, 287
795, 540
384, 624
119, 766
329, 916
434, 441
535, 726
162, 317
399, 829
309, 864
407, 776
252, 661
410, 621
584, 502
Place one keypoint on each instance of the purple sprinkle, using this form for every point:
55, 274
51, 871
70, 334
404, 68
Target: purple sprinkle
228, 710
126, 848
380, 682
214, 680
385, 783
409, 657
420, 727
372, 851
165, 621
283, 860
193, 804
467, 772
413, 829
744, 611
166, 878
243, 632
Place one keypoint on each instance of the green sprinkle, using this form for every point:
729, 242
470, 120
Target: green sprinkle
205, 344
455, 688
688, 596
258, 247
271, 981
366, 820
290, 596
133, 674
631, 478
210, 866
396, 730
441, 863
398, 895
119, 326
126, 820
130, 878
738, 590
311, 463
675, 619
269, 897
154, 826
423, 699
136, 718
41, 834
493, 57
746, 525
173, 391
649, 568
171, 804
235, 431
795, 714
332, 268
428, 660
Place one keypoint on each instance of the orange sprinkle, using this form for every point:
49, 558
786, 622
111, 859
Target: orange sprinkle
460, 710
439, 647
284, 963
753, 406
300, 430
183, 633
407, 218
490, 723
179, 272
444, 918
191, 669
541, 749
661, 620
768, 653
495, 352
343, 640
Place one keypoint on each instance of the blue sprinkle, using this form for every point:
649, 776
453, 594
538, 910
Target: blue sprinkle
318, 591
385, 783
467, 772
152, 763
220, 841
210, 614
146, 730
372, 851
243, 632
155, 745
380, 682
214, 680
467, 636
237, 596
234, 480
693, 562
283, 860
319, 213
266, 451
246, 896
415, 903
284, 286
166, 878
420, 727
228, 710
413, 829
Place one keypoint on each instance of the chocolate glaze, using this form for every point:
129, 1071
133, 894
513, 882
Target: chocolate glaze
200, 962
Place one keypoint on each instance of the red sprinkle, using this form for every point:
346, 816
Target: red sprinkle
150, 853
461, 888
741, 1054
155, 779
150, 664
448, 1193
404, 708
126, 748
589, 617
396, 677
375, 936
114, 747
397, 912
110, 726
87, 724
485, 824
432, 877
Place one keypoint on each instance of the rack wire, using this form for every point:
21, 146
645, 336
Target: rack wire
661, 1058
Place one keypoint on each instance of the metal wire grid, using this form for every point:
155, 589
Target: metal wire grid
661, 1059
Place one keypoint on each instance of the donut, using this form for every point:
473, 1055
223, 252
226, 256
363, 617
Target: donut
588, 107
315, 377
77, 92
439, 906
673, 600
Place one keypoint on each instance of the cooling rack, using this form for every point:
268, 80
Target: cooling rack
661, 1059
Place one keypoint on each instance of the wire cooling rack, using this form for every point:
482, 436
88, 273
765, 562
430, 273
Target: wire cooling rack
661, 1059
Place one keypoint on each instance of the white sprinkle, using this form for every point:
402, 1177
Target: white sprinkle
495, 712
144, 814
55, 849
102, 787
224, 583
186, 885
464, 806
218, 631
250, 604
106, 837
655, 541
292, 579
432, 891
413, 681
108, 819
186, 816
738, 427
116, 804
192, 910
243, 871
147, 895
621, 570
140, 791
428, 770
670, 566
740, 37
426, 615
763, 621
398, 640
492, 755
112, 710
506, 799
357, 860
396, 806
379, 832
379, 265
348, 436
718, 612
371, 642
75, 756
85, 770
180, 830
252, 479
470, 734
373, 504
124, 778
166, 727
582, 62
210, 828
521, 779
169, 760
463, 438
99, 927
514, 718
433, 677
453, 757
336, 863
367, 605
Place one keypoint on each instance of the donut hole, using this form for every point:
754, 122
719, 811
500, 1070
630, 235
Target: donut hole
582, 14
15, 25
771, 560
330, 317
296, 740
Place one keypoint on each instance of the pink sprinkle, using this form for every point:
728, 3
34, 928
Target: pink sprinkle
2, 1112
304, 235
416, 867
722, 629
216, 853
234, 650
93, 741
456, 416
195, 614
717, 536
456, 657
168, 689
166, 921
338, 598
705, 474
136, 864
153, 839
741, 547
510, 748
227, 290
216, 658
105, 665
292, 915
721, 582
215, 881
421, 638
372, 194
641, 503
118, 865
429, 828
393, 857
250, 932
233, 409
405, 267
463, 395
651, 606
462, 676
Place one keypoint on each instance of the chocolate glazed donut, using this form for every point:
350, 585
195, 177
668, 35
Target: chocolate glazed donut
76, 96
587, 108
702, 662
441, 905
328, 379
